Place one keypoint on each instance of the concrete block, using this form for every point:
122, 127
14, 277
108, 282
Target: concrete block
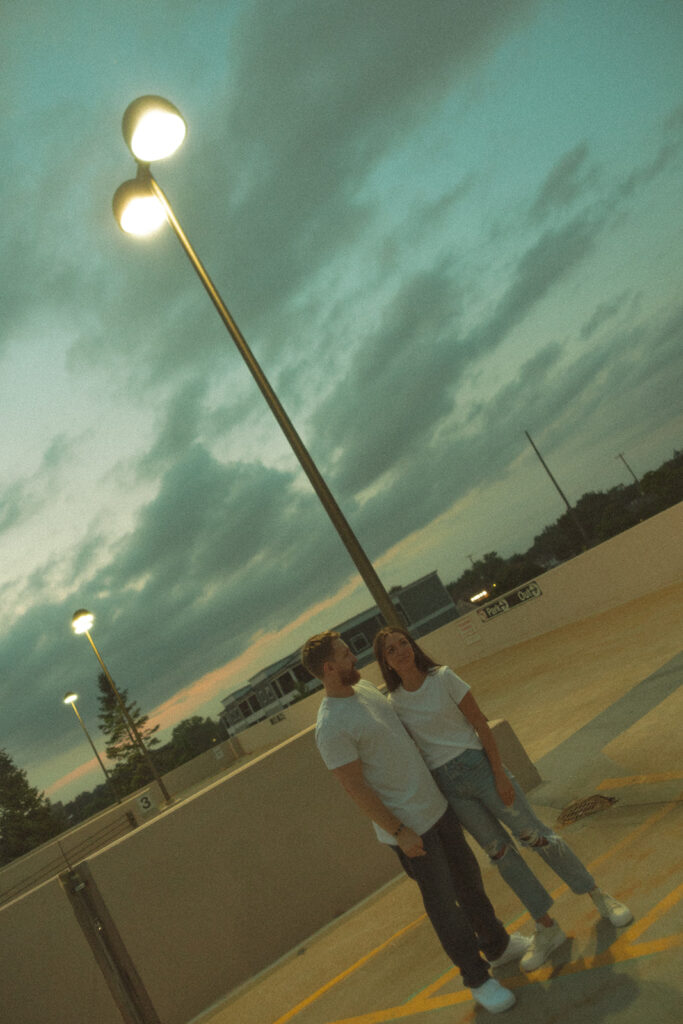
513, 754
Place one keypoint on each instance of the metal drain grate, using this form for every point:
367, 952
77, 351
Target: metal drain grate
582, 808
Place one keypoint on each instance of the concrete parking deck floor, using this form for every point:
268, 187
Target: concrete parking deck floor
598, 707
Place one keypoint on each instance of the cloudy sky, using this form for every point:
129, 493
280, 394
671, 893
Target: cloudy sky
438, 225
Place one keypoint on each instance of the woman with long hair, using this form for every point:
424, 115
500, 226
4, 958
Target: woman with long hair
441, 714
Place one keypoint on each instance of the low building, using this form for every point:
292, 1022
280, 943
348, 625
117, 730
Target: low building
422, 605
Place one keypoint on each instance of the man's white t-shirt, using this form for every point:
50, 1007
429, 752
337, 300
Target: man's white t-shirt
365, 727
432, 716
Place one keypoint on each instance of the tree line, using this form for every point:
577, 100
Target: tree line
28, 819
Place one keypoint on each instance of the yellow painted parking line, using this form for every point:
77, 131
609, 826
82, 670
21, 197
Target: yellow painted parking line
623, 949
345, 974
636, 929
639, 780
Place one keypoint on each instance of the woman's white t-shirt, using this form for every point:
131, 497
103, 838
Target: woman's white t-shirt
432, 716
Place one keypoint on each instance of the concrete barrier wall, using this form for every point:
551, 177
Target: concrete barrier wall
212, 762
48, 971
79, 842
55, 856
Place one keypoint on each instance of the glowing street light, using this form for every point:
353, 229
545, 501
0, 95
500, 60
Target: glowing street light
71, 698
81, 623
153, 129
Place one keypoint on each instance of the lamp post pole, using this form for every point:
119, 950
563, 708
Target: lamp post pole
70, 698
161, 111
130, 724
339, 521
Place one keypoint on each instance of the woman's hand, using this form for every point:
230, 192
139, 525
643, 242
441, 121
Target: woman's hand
506, 790
410, 843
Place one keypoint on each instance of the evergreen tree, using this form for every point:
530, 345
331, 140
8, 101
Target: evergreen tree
27, 818
131, 769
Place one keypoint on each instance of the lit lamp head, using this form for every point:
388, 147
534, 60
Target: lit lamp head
136, 209
153, 128
81, 621
70, 698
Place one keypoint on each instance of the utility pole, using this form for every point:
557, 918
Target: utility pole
638, 483
571, 511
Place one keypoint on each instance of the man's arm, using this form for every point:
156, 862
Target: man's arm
352, 779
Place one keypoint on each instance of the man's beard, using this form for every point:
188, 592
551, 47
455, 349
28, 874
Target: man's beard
350, 677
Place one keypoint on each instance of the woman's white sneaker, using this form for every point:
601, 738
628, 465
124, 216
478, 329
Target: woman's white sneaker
614, 911
493, 996
516, 947
543, 942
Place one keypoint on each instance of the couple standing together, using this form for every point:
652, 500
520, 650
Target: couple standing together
422, 763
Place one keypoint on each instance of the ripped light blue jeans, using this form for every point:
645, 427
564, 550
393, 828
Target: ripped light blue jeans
468, 784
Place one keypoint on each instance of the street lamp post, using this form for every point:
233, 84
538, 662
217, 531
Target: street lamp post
71, 698
81, 623
153, 129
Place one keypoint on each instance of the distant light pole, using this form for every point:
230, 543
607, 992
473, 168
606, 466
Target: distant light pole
153, 129
71, 698
81, 623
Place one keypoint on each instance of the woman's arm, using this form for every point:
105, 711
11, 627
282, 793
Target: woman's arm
477, 719
352, 779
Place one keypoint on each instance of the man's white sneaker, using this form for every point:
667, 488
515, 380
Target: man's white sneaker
517, 946
617, 913
493, 996
543, 942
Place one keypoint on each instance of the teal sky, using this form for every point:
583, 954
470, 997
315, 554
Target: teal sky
438, 225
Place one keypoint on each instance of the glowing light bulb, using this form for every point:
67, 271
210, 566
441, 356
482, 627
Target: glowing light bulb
153, 128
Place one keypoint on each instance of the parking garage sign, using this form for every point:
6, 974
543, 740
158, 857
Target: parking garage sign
503, 604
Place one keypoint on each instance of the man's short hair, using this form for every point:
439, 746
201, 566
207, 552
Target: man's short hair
317, 650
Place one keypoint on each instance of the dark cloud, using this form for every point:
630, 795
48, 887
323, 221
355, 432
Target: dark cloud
180, 427
564, 184
401, 379
605, 312
408, 378
542, 266
18, 502
22, 499
666, 152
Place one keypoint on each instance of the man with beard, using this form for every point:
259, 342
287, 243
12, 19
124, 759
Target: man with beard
364, 744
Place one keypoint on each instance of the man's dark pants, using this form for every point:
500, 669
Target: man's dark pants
453, 895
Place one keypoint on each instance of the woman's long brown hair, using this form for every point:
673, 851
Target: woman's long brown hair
390, 676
